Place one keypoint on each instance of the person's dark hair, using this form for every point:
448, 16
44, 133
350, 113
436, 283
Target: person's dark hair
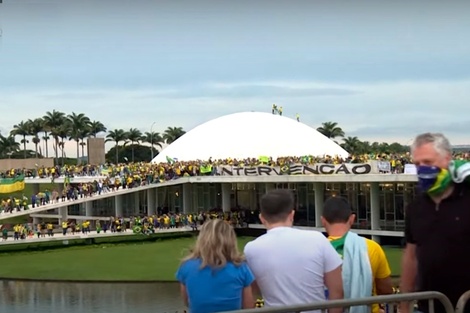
336, 210
276, 205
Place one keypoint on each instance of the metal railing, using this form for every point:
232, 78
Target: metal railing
462, 303
431, 296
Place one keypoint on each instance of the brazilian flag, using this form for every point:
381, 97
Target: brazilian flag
66, 181
285, 169
14, 184
338, 244
170, 160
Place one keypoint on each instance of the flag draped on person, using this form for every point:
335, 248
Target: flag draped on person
13, 184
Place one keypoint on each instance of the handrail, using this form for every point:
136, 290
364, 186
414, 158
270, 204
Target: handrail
463, 301
323, 305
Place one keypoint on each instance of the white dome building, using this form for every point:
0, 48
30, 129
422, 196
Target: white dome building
250, 134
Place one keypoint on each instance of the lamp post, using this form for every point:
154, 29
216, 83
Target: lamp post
151, 141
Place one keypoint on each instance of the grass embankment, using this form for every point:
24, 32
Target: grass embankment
143, 261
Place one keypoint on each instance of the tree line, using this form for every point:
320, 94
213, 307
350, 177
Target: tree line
59, 127
355, 146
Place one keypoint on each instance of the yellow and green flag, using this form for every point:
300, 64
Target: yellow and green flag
264, 159
9, 185
204, 169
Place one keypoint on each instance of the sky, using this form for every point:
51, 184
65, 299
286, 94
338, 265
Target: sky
383, 70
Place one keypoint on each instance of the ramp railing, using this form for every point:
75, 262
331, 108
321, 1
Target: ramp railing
391, 300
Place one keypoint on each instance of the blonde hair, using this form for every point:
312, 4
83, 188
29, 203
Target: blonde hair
216, 245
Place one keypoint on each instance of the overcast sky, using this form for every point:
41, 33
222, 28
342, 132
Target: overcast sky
384, 70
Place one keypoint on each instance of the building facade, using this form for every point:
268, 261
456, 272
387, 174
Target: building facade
378, 200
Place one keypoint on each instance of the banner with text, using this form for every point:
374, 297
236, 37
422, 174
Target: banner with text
384, 166
296, 169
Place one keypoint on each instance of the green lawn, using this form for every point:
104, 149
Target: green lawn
394, 259
139, 262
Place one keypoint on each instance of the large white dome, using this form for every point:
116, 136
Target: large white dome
250, 134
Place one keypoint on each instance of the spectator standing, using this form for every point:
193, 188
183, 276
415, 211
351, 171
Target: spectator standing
366, 271
214, 277
292, 266
437, 224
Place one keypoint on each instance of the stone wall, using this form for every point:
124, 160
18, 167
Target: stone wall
8, 164
96, 152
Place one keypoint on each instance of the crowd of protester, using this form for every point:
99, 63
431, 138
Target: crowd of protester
274, 252
110, 177
174, 168
145, 225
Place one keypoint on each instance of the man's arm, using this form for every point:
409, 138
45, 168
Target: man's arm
409, 262
255, 289
409, 269
381, 272
332, 269
334, 282
383, 286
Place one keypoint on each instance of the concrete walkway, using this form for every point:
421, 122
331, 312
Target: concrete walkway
93, 234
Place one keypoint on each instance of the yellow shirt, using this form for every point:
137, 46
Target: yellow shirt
378, 264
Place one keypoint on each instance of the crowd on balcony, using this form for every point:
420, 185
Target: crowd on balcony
111, 177
197, 167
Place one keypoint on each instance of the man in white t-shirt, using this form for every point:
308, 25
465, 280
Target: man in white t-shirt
292, 266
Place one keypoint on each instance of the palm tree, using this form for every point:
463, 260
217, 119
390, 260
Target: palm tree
22, 129
84, 134
52, 122
351, 144
46, 138
154, 139
331, 130
63, 132
8, 145
36, 126
79, 123
117, 136
365, 147
97, 127
171, 134
134, 136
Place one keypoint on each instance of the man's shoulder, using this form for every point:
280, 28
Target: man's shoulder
312, 234
255, 242
375, 250
371, 244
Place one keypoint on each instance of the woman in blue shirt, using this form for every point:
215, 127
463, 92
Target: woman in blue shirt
214, 276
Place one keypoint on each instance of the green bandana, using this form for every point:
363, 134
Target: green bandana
458, 172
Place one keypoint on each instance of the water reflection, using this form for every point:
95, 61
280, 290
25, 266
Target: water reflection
48, 297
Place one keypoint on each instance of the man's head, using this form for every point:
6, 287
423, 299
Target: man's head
337, 211
431, 149
277, 207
